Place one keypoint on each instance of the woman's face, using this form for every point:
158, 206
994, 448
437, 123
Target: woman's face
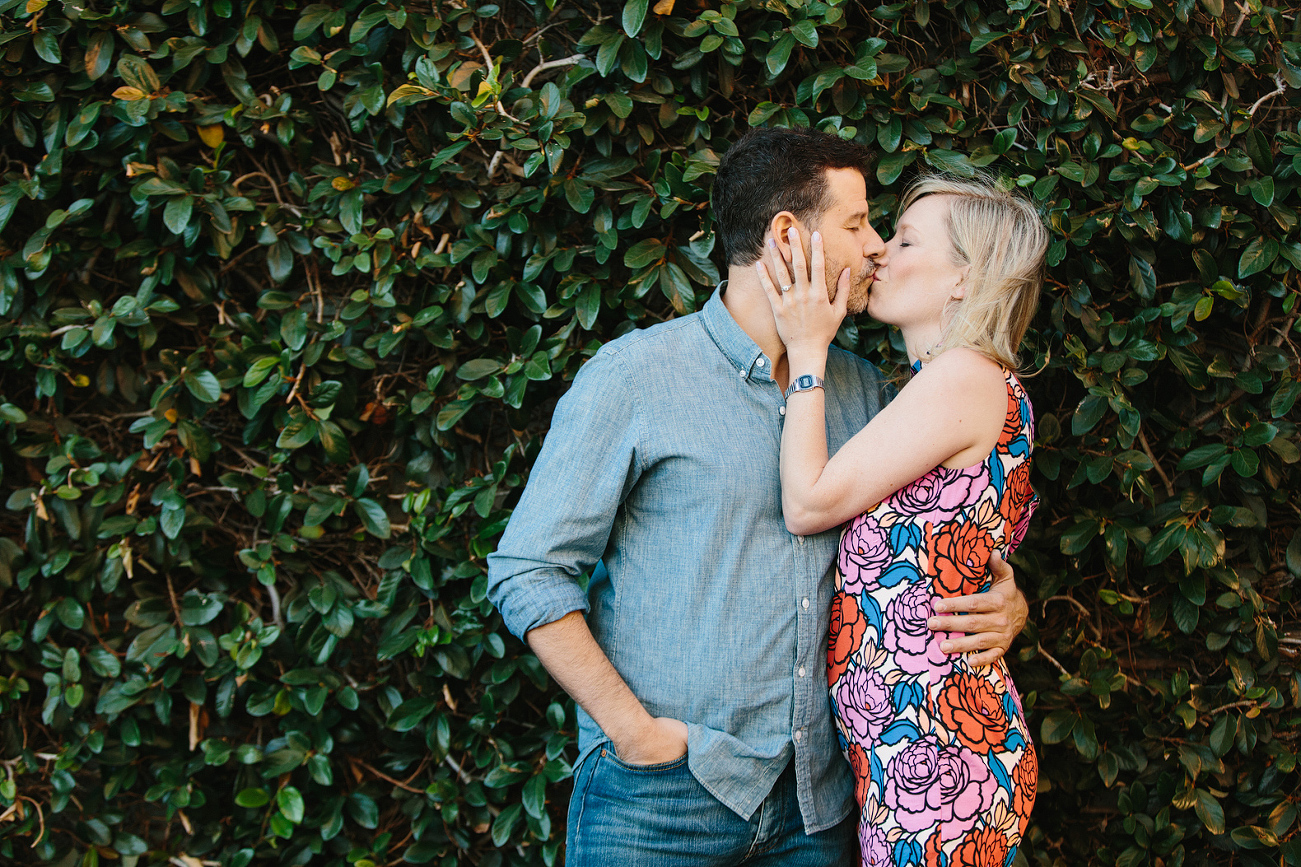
919, 275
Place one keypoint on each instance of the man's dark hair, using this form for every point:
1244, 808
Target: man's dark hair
768, 171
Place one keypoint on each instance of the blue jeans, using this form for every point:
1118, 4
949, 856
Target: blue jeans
659, 816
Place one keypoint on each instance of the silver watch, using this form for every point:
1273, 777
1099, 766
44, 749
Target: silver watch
807, 382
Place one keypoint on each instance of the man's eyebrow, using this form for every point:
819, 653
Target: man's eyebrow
857, 216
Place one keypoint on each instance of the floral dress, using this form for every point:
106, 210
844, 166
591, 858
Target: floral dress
945, 772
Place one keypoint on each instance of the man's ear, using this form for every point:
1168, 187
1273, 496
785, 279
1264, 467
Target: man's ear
778, 228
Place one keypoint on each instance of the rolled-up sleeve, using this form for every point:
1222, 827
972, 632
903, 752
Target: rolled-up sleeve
562, 524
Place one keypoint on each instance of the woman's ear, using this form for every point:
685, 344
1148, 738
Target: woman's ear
960, 291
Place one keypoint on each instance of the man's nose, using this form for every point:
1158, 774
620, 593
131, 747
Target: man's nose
877, 252
874, 247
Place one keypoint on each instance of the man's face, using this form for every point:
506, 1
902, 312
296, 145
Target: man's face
848, 240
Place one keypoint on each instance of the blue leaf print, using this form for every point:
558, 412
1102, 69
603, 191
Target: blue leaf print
900, 573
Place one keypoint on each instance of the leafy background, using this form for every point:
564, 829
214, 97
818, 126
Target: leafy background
288, 291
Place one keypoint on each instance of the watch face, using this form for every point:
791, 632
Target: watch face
805, 381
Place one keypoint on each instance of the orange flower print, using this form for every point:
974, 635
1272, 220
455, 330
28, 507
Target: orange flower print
959, 555
1019, 492
862, 772
945, 774
1012, 423
973, 711
933, 852
845, 635
1025, 779
984, 847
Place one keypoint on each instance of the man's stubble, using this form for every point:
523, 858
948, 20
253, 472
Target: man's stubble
860, 287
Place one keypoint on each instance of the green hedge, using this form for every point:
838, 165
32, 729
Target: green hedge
287, 293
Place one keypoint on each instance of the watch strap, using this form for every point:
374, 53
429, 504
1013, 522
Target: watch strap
807, 382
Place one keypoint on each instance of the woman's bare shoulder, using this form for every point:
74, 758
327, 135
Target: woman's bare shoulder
962, 368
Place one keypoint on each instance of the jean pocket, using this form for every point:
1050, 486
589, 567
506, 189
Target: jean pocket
658, 768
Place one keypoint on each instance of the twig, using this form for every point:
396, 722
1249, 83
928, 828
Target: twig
298, 380
551, 64
94, 631
1280, 88
314, 284
537, 34
1083, 610
1230, 706
40, 815
1169, 486
1243, 9
495, 162
1216, 410
1191, 166
460, 772
176, 606
487, 59
1048, 656
384, 776
275, 188
275, 606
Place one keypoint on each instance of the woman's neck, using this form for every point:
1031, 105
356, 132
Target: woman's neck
922, 343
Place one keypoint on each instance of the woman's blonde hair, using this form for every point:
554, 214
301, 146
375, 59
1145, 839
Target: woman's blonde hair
1000, 237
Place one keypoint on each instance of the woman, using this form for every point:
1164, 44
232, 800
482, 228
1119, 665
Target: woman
944, 766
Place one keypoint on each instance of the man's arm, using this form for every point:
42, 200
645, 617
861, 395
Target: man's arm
559, 529
992, 620
568, 651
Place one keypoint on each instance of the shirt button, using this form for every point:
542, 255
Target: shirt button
805, 603
801, 671
781, 410
799, 736
760, 361
801, 539
742, 374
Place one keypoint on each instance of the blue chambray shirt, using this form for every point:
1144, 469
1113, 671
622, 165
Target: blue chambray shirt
662, 462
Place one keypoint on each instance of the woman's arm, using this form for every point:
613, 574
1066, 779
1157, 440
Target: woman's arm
940, 414
955, 405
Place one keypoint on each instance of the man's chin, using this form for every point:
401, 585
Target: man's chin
858, 300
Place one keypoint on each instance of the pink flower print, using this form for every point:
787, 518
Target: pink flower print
929, 784
922, 496
966, 788
961, 489
906, 634
864, 554
941, 494
910, 788
876, 850
864, 702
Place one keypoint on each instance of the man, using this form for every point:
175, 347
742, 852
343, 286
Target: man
706, 736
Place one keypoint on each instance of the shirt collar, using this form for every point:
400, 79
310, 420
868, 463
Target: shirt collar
732, 341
